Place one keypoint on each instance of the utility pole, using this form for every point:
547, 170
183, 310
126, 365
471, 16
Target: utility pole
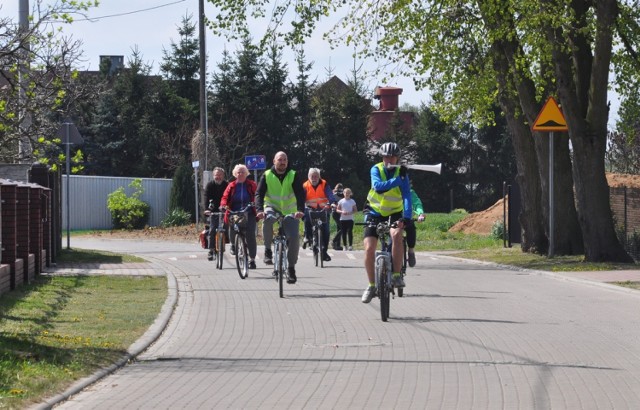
24, 145
203, 84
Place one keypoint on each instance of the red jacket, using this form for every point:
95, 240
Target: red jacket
230, 192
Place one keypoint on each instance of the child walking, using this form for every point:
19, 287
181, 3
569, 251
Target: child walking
347, 209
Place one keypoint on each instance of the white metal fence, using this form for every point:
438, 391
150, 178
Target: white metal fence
88, 199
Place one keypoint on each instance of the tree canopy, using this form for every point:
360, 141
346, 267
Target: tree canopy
514, 52
39, 87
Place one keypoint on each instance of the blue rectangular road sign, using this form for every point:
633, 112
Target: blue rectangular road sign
255, 162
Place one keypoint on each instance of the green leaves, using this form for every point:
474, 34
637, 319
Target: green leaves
128, 212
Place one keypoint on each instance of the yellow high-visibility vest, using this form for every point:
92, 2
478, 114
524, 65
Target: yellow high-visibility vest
389, 202
280, 195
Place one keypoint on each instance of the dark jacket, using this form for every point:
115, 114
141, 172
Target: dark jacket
214, 192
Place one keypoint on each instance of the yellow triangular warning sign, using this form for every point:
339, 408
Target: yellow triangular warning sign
550, 118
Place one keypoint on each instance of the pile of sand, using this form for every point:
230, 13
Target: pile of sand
481, 222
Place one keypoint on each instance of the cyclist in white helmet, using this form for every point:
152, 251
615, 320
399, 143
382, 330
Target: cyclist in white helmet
390, 196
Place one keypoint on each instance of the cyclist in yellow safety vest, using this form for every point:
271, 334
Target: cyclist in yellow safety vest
390, 196
319, 198
280, 190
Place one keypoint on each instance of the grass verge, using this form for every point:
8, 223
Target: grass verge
62, 328
628, 284
92, 256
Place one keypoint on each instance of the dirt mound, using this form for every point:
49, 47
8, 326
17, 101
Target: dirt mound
481, 222
173, 233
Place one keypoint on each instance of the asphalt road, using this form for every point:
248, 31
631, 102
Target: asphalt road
465, 336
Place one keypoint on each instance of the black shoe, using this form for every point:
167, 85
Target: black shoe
252, 264
338, 248
326, 257
233, 250
292, 276
412, 259
268, 257
210, 255
305, 243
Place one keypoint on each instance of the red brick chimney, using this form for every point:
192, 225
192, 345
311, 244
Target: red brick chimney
379, 120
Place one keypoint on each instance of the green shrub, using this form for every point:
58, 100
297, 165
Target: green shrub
128, 212
497, 230
460, 211
176, 217
183, 194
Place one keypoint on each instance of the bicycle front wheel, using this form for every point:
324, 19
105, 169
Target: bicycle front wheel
383, 288
315, 245
321, 250
242, 259
280, 267
219, 248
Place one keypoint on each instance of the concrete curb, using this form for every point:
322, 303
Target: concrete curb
578, 277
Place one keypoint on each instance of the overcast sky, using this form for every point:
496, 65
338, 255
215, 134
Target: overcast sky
117, 26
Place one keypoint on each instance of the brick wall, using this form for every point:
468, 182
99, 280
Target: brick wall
9, 227
5, 278
36, 226
26, 234
23, 230
625, 206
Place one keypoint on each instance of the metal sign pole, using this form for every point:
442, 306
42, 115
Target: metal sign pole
550, 119
552, 224
68, 178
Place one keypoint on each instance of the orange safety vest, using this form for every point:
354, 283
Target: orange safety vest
316, 197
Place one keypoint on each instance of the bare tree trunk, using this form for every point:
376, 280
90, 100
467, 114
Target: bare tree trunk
567, 231
584, 104
531, 216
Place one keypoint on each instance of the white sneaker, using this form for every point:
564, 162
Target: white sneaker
368, 294
350, 248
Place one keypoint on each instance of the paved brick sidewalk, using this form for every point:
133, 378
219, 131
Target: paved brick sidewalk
126, 268
466, 335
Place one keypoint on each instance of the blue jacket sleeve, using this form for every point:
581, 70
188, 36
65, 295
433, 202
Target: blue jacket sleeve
379, 185
405, 188
328, 192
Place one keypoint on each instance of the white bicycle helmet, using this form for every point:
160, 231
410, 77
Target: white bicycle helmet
390, 149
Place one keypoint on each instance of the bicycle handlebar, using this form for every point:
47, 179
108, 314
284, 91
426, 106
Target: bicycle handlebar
278, 216
243, 210
209, 212
375, 223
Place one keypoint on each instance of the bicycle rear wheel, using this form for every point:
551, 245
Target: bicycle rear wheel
383, 288
219, 248
403, 270
280, 268
242, 259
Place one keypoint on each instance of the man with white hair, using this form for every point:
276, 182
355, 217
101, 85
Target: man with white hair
319, 198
